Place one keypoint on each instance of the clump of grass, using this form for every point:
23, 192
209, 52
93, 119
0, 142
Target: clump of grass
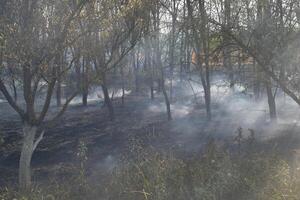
217, 174
148, 174
160, 175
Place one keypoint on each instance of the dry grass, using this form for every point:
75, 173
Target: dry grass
151, 175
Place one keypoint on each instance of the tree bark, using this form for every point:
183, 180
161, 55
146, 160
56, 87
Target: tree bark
135, 64
172, 46
15, 90
271, 101
123, 86
108, 101
167, 102
84, 98
207, 97
152, 91
58, 91
204, 43
227, 62
85, 82
161, 80
257, 81
29, 145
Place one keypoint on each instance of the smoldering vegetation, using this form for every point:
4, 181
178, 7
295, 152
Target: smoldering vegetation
146, 172
142, 155
153, 100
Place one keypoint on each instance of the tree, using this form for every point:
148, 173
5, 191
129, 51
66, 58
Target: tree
173, 8
158, 61
27, 40
115, 34
266, 38
201, 39
227, 58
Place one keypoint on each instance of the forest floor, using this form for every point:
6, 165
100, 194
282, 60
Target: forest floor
138, 119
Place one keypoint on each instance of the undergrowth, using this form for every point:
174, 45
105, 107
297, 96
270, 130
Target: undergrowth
148, 174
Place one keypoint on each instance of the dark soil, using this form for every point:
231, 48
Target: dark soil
107, 141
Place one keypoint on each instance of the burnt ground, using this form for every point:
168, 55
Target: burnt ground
108, 141
104, 138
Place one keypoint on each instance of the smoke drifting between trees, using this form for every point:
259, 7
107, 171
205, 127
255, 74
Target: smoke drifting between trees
60, 51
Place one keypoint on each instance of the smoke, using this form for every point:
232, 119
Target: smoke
178, 110
108, 163
232, 108
96, 95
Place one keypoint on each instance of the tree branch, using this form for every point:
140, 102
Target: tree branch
61, 112
38, 140
10, 100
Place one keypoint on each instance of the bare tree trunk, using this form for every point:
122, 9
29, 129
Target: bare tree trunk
257, 81
188, 58
13, 79
228, 66
227, 50
151, 79
181, 59
78, 70
85, 85
183, 46
163, 87
58, 89
84, 98
159, 86
159, 63
59, 63
281, 26
135, 64
172, 46
167, 101
151, 68
208, 102
204, 31
107, 100
123, 95
271, 101
29, 145
15, 90
123, 85
152, 90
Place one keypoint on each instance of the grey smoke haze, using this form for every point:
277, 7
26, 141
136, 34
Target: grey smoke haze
108, 163
232, 108
96, 94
